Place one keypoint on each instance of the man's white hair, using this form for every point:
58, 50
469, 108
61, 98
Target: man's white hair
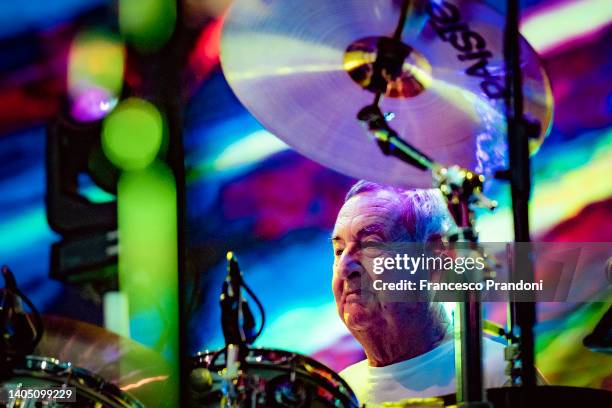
424, 211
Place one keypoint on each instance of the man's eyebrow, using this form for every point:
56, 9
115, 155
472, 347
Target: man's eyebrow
371, 229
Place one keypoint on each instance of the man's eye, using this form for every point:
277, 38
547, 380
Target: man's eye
338, 252
370, 241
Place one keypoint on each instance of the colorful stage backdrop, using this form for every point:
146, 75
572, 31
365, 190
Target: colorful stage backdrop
250, 193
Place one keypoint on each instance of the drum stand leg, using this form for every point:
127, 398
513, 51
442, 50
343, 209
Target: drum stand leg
468, 353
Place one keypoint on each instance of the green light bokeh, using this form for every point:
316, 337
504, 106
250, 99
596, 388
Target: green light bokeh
147, 24
148, 259
132, 134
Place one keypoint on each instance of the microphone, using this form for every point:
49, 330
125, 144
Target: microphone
19, 332
390, 142
237, 319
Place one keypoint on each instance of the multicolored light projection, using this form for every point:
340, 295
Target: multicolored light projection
553, 25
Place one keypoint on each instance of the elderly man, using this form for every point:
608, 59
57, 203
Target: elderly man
409, 345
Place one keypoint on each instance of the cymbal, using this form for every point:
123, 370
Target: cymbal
128, 364
302, 68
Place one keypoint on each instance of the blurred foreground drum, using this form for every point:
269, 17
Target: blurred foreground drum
45, 376
268, 378
142, 372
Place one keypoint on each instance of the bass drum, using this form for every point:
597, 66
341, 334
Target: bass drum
92, 391
268, 378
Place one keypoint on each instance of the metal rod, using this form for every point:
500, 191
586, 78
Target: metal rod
468, 319
468, 353
522, 315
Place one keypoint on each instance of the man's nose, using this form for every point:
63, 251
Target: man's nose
350, 266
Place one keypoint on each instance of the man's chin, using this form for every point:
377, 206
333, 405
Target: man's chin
356, 317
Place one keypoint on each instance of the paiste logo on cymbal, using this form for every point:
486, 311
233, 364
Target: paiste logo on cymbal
445, 19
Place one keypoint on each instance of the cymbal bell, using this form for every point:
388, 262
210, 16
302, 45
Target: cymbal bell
304, 70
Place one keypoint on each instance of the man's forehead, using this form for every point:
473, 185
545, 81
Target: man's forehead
380, 208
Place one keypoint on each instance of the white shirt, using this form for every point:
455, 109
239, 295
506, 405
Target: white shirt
429, 375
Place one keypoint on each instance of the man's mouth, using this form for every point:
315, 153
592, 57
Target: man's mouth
353, 296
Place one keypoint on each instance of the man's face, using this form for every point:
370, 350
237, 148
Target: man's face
365, 218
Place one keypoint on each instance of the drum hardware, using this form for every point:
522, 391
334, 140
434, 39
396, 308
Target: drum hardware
272, 379
56, 357
239, 375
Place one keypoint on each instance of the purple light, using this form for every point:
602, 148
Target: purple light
92, 104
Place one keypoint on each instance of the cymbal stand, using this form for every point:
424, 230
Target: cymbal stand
462, 189
521, 316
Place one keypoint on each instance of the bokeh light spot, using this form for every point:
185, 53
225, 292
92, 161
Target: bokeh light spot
132, 134
147, 24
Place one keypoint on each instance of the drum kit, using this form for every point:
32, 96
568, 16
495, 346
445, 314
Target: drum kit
410, 93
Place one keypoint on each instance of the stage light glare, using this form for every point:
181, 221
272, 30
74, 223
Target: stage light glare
132, 134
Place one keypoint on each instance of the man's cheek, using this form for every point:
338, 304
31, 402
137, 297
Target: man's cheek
370, 267
336, 287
